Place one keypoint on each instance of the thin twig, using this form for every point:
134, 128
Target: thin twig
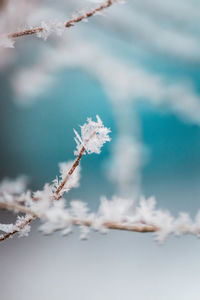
68, 24
74, 166
119, 226
9, 234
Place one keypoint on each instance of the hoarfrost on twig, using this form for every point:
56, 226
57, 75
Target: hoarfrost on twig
93, 136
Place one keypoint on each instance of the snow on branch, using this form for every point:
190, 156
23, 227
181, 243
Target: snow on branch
44, 204
93, 136
47, 28
21, 227
117, 213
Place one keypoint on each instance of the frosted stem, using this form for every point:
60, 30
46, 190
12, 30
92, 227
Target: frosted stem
108, 224
69, 23
74, 166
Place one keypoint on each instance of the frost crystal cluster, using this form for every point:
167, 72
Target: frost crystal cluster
73, 180
51, 27
93, 136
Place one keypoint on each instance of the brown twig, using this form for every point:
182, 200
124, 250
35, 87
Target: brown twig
120, 226
17, 207
68, 24
74, 166
9, 234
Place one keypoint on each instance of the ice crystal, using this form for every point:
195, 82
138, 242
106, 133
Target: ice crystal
116, 209
51, 27
93, 136
42, 200
79, 209
56, 218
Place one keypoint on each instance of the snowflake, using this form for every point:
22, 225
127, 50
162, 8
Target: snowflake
93, 136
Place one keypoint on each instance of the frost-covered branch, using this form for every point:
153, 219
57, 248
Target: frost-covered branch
59, 189
22, 227
114, 214
93, 136
47, 28
88, 222
17, 208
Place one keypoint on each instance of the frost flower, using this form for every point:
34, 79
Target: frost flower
56, 218
93, 136
22, 230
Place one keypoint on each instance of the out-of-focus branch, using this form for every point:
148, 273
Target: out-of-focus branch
78, 222
119, 226
157, 223
69, 23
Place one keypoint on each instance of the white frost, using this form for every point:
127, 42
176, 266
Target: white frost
93, 136
73, 180
7, 227
13, 186
51, 27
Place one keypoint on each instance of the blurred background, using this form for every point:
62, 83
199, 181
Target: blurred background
137, 67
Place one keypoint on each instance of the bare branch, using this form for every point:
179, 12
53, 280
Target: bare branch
69, 23
119, 226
